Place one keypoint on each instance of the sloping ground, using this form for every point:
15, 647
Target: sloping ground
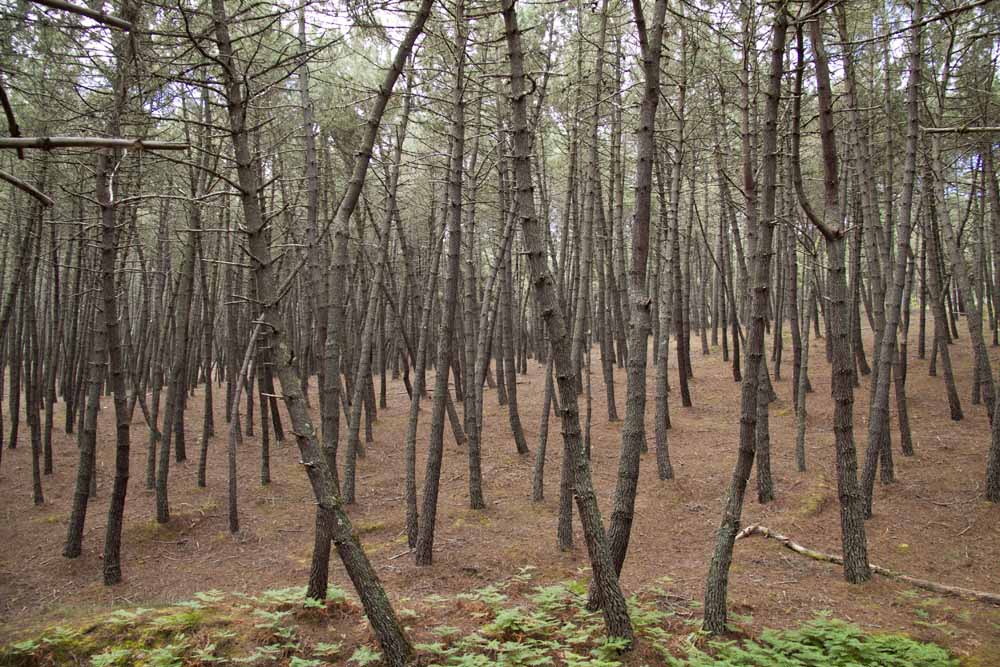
513, 623
933, 523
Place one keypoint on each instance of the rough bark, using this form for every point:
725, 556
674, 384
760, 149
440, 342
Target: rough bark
718, 575
547, 303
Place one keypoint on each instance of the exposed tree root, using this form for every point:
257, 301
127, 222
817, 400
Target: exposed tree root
955, 591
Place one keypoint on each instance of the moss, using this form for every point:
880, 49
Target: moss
987, 656
150, 530
365, 527
816, 499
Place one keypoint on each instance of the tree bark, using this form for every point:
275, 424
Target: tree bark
615, 611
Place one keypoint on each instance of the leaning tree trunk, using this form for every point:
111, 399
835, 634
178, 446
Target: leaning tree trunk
391, 637
368, 329
547, 304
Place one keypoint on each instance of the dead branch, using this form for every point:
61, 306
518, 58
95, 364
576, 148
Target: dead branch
27, 187
944, 589
93, 14
965, 129
48, 143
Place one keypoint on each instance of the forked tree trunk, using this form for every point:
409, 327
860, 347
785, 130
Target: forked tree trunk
937, 288
410, 445
634, 429
852, 527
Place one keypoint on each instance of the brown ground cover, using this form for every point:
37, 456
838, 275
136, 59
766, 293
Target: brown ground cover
933, 523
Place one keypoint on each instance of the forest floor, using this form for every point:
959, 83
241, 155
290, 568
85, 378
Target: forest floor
933, 523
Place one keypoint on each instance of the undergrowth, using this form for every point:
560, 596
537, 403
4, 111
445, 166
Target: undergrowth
509, 624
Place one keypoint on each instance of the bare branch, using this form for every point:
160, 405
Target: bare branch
93, 14
48, 143
27, 187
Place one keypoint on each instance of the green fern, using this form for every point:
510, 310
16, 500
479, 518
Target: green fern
364, 656
112, 657
305, 662
822, 642
327, 650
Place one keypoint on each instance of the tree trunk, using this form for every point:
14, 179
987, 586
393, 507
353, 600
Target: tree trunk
435, 448
718, 574
395, 646
615, 611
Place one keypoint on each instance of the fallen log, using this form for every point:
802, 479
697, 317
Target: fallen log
944, 589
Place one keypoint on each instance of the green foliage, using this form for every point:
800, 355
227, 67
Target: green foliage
611, 647
555, 598
123, 618
59, 637
327, 650
313, 603
524, 574
305, 662
26, 647
179, 621
112, 657
206, 654
577, 660
364, 656
270, 620
822, 642
515, 621
211, 597
282, 596
488, 595
547, 627
170, 655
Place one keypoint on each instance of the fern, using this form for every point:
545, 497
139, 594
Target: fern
206, 655
166, 656
270, 620
488, 595
326, 650
822, 642
27, 647
111, 658
305, 662
211, 597
364, 656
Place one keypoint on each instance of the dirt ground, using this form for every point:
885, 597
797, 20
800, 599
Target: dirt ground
933, 523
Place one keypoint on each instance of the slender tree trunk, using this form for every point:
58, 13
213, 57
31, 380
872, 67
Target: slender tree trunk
614, 608
633, 429
853, 537
391, 637
435, 450
410, 446
718, 574
371, 312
